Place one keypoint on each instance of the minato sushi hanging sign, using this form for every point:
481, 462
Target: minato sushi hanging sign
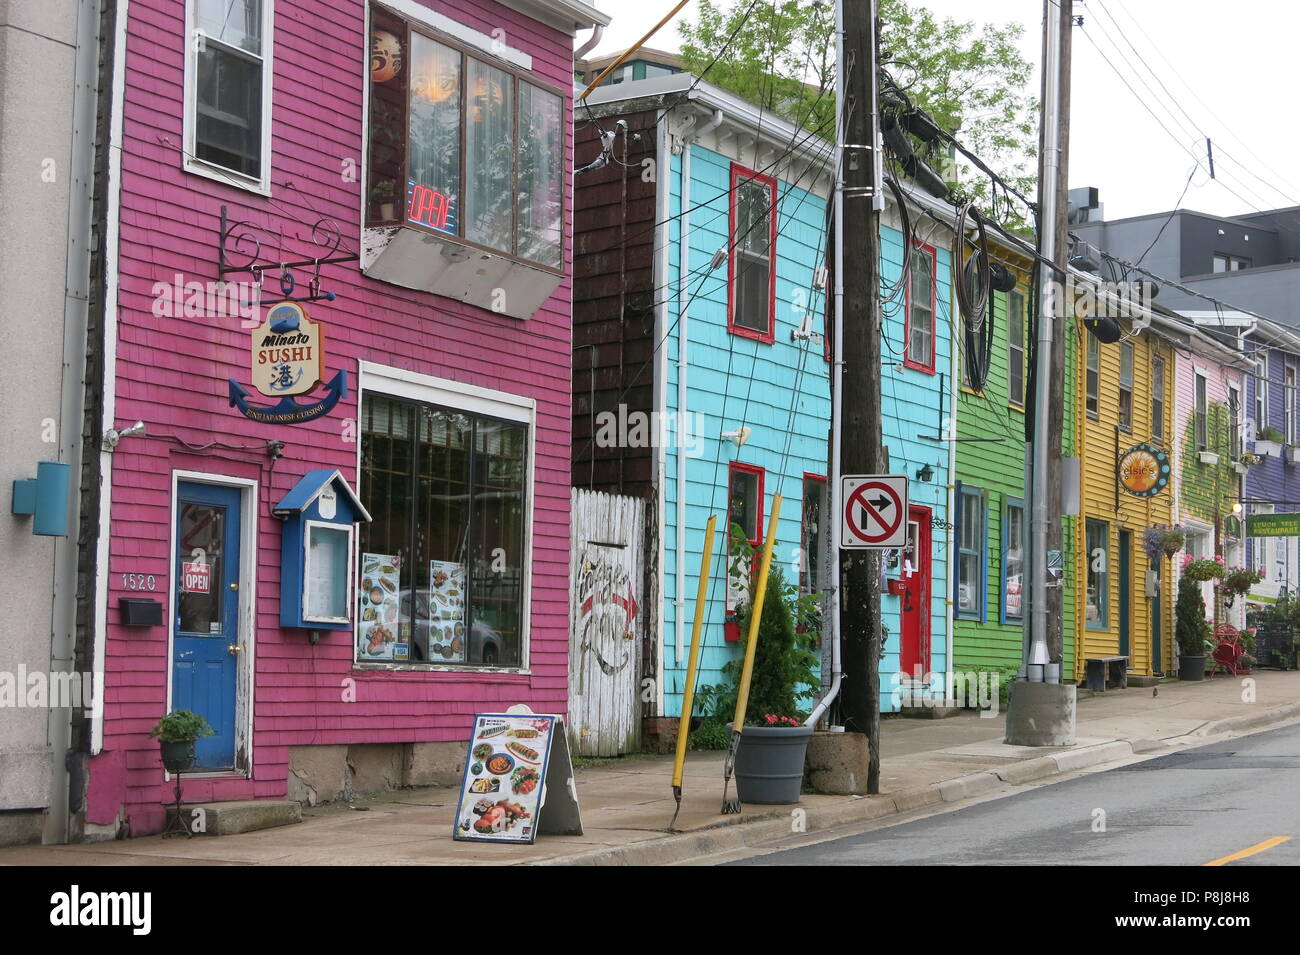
287, 358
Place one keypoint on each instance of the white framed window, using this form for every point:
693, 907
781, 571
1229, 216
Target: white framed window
1261, 395
1126, 386
228, 91
1234, 421
1288, 396
444, 564
1202, 414
1158, 397
1016, 347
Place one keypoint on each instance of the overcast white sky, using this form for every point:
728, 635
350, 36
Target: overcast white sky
1230, 66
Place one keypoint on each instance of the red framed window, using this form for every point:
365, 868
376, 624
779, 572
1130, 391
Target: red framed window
751, 265
919, 324
745, 500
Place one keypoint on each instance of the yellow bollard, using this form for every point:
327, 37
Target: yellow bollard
751, 643
692, 667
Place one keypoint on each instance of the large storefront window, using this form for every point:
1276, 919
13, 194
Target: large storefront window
440, 579
463, 147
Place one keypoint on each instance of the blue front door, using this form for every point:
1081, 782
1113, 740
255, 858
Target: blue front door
205, 633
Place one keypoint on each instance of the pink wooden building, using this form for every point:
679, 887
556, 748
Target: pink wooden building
1207, 450
417, 157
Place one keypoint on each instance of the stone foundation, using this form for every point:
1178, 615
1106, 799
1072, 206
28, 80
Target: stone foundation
320, 774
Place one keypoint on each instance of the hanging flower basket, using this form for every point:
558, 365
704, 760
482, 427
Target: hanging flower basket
1239, 580
1163, 541
1203, 569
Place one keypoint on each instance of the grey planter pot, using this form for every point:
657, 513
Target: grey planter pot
1191, 668
769, 764
177, 757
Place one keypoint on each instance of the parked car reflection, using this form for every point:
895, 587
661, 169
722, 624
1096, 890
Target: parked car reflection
485, 644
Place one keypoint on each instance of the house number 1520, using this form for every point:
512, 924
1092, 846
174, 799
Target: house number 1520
139, 582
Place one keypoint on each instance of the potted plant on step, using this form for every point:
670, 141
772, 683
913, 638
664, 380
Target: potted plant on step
177, 732
1190, 627
774, 741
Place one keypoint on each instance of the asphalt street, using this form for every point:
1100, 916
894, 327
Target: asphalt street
1183, 809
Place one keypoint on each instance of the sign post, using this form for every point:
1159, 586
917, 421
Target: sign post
874, 512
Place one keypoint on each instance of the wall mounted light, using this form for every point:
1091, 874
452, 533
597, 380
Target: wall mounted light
113, 436
925, 474
740, 435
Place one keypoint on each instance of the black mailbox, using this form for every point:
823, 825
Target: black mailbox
140, 611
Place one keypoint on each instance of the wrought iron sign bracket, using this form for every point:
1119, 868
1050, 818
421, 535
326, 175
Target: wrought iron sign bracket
239, 251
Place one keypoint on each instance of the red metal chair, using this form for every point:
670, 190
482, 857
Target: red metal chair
1228, 651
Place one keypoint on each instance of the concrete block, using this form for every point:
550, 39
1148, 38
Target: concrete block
21, 828
917, 798
318, 774
1041, 714
230, 818
376, 767
1138, 679
836, 764
434, 764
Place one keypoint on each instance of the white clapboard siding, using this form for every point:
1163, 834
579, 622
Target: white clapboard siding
606, 622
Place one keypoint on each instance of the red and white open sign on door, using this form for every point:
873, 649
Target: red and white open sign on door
196, 578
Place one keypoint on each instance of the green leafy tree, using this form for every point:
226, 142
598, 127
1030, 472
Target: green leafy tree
971, 79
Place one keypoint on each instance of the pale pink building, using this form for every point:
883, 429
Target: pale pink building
1208, 392
417, 156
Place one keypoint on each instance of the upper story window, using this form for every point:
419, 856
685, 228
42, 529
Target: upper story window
1234, 421
1092, 377
1016, 347
753, 247
1288, 395
228, 91
919, 330
463, 146
1126, 386
1229, 263
1202, 415
1261, 395
1158, 397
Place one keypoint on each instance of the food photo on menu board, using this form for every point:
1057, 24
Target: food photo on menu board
501, 792
447, 634
380, 630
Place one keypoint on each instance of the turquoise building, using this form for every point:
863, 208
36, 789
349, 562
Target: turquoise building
701, 304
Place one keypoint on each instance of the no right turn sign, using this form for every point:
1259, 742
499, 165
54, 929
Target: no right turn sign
874, 510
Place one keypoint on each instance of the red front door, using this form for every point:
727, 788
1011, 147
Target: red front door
914, 660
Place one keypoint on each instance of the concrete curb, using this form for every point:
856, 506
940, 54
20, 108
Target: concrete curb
1232, 724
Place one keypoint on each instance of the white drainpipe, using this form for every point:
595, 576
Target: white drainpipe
582, 51
683, 365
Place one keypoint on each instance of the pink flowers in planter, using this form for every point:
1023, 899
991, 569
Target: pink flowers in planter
773, 719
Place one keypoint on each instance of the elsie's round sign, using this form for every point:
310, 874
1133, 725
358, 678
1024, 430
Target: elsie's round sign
1144, 470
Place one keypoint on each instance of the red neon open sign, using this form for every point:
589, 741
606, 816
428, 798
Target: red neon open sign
428, 207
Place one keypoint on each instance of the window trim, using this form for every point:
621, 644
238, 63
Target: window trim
190, 162
760, 473
908, 362
1103, 595
413, 386
1091, 348
803, 553
1261, 394
467, 49
1004, 617
1290, 376
1125, 348
1158, 423
1201, 415
980, 615
1235, 429
1010, 296
740, 174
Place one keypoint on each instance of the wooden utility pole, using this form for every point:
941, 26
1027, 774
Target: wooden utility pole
860, 434
1056, 414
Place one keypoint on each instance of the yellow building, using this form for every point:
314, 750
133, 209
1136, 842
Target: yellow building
1125, 445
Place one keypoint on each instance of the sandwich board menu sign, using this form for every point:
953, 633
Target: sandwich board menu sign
518, 765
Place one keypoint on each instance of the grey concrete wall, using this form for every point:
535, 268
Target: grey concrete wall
37, 50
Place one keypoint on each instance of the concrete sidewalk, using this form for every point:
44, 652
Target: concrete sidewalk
627, 803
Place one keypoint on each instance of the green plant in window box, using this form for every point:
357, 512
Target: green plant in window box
1272, 434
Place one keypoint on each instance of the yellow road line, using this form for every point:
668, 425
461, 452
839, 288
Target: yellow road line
1251, 850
